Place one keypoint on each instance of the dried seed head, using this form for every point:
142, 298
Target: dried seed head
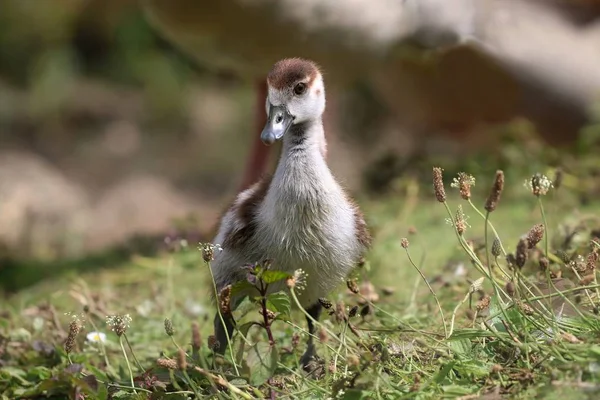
496, 368
323, 336
412, 230
196, 338
404, 243
535, 235
586, 280
539, 184
325, 303
460, 220
166, 363
438, 185
353, 361
526, 308
476, 285
510, 289
510, 260
169, 327
118, 323
213, 343
592, 260
270, 314
352, 286
544, 263
521, 253
340, 311
225, 300
494, 197
366, 310
463, 183
483, 303
496, 247
74, 329
295, 340
181, 360
353, 311
209, 250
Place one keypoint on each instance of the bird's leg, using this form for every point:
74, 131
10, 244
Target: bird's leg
259, 154
310, 353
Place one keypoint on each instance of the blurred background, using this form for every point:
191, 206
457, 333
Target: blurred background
123, 122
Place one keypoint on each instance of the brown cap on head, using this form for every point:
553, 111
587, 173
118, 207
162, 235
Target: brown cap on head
289, 71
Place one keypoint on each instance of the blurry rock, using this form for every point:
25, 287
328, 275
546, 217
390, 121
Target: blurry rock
42, 213
136, 205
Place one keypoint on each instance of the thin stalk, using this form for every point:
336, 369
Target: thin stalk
191, 383
229, 344
100, 343
127, 362
132, 353
430, 289
317, 323
548, 277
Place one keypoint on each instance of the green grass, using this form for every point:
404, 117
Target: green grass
503, 347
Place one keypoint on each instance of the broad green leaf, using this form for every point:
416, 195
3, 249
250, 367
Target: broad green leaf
262, 361
279, 302
462, 346
270, 276
241, 287
443, 372
244, 328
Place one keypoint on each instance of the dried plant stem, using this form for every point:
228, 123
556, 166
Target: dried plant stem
127, 362
229, 344
470, 252
489, 223
487, 254
430, 289
463, 301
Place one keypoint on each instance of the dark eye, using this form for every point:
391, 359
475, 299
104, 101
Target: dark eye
300, 88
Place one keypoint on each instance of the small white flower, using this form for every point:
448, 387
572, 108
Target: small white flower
97, 337
539, 184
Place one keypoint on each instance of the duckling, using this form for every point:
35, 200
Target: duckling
300, 217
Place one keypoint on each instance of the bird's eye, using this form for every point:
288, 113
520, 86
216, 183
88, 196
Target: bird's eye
300, 88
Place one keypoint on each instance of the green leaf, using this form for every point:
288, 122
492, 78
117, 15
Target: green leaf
262, 361
443, 372
270, 276
243, 329
241, 287
462, 346
279, 302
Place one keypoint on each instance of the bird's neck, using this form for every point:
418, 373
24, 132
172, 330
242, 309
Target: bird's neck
302, 168
306, 139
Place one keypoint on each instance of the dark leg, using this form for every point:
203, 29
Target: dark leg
220, 334
309, 355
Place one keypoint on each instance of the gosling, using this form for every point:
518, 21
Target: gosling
300, 217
